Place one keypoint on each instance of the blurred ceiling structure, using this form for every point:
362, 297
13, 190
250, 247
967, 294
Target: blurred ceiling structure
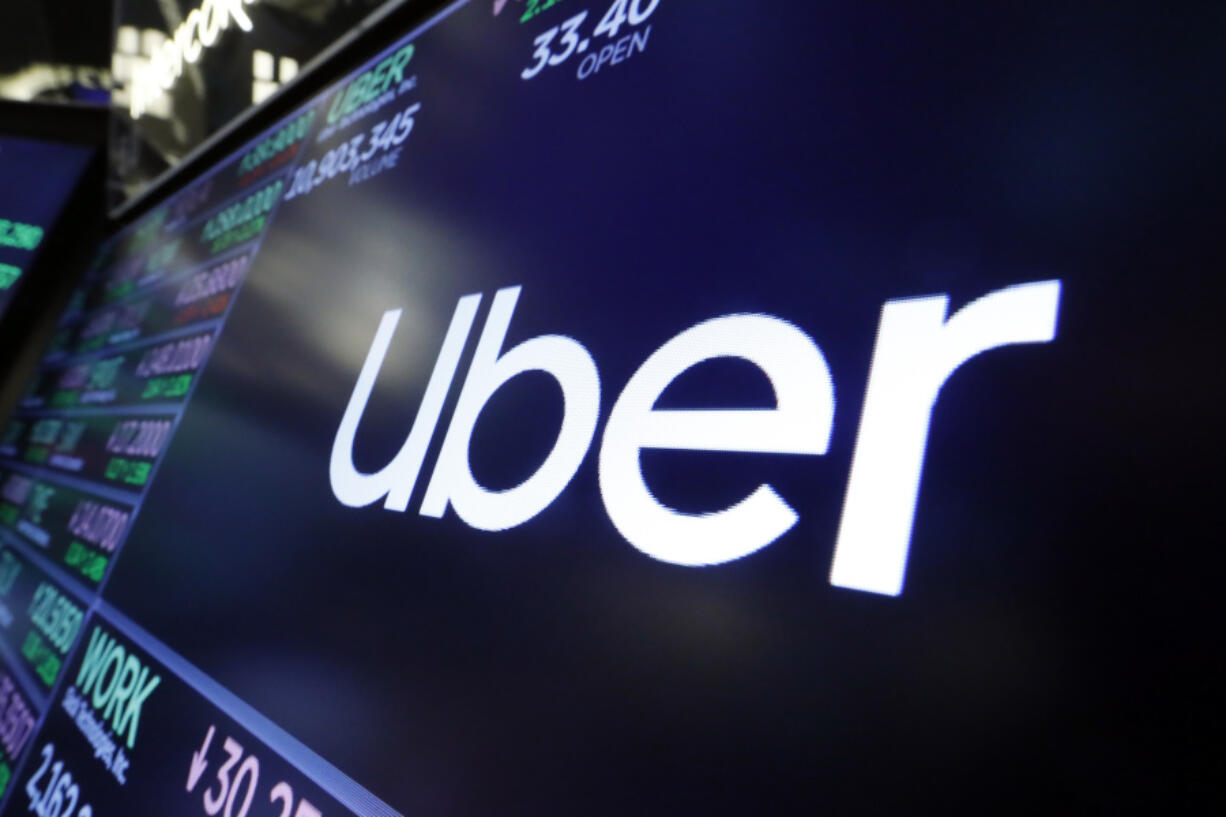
174, 72
56, 51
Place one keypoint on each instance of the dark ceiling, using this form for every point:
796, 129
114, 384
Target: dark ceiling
61, 32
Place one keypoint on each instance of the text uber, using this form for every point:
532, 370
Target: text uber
918, 347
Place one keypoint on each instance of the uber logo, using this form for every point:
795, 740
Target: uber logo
918, 347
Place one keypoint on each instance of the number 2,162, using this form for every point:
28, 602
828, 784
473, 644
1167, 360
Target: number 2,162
60, 796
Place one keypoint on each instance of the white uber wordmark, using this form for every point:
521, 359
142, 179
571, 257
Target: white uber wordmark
918, 347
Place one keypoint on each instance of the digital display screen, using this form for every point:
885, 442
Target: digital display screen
36, 180
632, 406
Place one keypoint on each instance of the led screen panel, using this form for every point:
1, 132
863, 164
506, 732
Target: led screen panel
36, 180
79, 455
622, 406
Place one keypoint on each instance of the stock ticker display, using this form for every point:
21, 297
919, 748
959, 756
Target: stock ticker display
631, 406
36, 180
78, 455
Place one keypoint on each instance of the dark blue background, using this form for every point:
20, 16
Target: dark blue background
1052, 646
36, 179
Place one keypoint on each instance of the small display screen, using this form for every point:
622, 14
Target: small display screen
37, 179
